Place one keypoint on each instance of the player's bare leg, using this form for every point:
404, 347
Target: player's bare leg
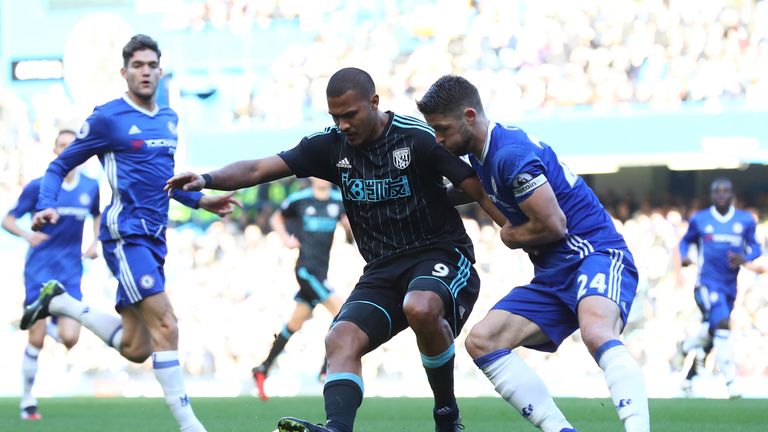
600, 323
425, 312
490, 344
157, 314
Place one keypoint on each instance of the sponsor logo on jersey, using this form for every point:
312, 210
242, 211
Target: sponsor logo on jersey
374, 190
84, 129
344, 163
77, 212
402, 157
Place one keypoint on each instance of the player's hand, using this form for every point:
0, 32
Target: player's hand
186, 181
507, 236
735, 259
92, 252
43, 217
35, 238
291, 242
221, 205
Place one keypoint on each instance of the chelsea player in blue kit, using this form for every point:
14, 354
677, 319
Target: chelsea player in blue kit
725, 240
135, 140
55, 252
584, 275
419, 271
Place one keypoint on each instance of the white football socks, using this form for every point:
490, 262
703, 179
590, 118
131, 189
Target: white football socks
171, 378
522, 388
626, 385
724, 354
28, 373
108, 328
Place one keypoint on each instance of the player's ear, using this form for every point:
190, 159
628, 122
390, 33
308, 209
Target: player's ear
470, 115
123, 72
374, 102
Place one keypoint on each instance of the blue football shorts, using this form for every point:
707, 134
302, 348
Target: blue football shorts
137, 263
550, 300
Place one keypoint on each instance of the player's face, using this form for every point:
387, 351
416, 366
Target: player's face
62, 142
451, 132
321, 188
142, 74
355, 116
722, 195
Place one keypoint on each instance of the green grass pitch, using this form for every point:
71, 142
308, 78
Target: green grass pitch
376, 415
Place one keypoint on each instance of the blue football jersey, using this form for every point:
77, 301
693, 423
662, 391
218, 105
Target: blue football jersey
59, 257
513, 165
136, 148
715, 235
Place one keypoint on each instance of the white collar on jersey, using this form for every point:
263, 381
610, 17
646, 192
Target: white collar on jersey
140, 109
722, 218
75, 181
491, 125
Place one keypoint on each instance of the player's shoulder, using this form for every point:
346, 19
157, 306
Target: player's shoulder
299, 195
33, 185
327, 134
413, 126
745, 215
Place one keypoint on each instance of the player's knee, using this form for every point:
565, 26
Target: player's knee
135, 353
478, 342
69, 340
341, 341
423, 309
595, 336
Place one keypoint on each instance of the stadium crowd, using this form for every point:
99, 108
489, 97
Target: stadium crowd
231, 280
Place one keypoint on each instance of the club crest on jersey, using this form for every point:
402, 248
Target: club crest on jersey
402, 157
332, 209
84, 199
172, 127
84, 129
147, 281
738, 228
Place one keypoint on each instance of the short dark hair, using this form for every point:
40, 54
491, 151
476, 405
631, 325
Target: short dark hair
62, 132
449, 95
720, 181
139, 42
353, 79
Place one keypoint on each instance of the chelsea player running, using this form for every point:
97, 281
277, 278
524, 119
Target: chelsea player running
584, 275
55, 252
725, 239
419, 258
135, 140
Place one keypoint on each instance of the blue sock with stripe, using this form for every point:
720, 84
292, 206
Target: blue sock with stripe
171, 378
343, 393
439, 370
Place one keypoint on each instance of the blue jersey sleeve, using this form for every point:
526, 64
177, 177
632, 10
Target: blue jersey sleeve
753, 248
521, 174
691, 236
92, 139
189, 199
27, 200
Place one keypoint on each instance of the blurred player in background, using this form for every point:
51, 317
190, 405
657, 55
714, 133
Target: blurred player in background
419, 270
306, 220
584, 275
54, 252
135, 140
725, 240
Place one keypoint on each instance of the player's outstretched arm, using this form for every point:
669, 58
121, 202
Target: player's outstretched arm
474, 189
234, 176
546, 221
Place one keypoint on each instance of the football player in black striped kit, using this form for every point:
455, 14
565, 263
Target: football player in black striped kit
419, 258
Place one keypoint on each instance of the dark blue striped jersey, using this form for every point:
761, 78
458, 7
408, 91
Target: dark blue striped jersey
314, 223
136, 149
513, 165
715, 235
392, 188
59, 257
